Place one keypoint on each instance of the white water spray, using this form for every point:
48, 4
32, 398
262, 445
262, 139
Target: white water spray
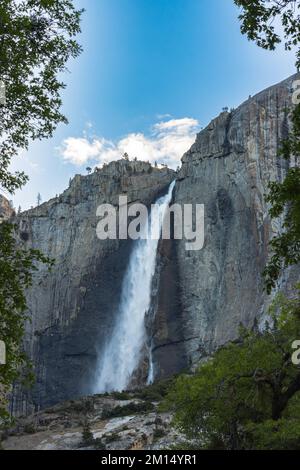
123, 351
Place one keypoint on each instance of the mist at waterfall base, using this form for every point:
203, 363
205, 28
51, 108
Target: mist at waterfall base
122, 353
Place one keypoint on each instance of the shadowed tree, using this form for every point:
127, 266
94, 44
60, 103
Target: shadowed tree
259, 19
37, 38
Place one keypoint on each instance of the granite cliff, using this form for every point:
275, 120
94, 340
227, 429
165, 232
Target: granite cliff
72, 308
199, 298
215, 289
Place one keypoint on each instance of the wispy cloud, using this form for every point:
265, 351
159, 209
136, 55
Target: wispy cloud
166, 143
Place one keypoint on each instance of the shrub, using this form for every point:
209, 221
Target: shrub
121, 395
159, 433
131, 408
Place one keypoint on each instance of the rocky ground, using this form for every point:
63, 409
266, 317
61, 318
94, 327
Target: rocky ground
119, 421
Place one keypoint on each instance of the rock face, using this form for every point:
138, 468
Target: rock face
228, 169
6, 210
73, 307
199, 298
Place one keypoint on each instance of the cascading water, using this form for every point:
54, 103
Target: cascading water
123, 351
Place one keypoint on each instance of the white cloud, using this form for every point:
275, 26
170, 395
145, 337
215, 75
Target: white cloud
178, 126
166, 143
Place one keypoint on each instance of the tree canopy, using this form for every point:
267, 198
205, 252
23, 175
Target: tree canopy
248, 389
268, 23
37, 38
271, 22
16, 268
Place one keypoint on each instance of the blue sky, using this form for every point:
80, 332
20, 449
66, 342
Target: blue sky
152, 73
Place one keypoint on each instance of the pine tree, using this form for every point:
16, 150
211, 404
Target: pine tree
87, 435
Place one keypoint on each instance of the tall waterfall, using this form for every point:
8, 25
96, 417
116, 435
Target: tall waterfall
123, 351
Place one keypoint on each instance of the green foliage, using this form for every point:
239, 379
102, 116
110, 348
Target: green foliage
283, 434
284, 198
259, 19
98, 444
29, 428
159, 433
156, 391
112, 437
121, 395
88, 439
37, 39
247, 386
16, 268
82, 406
130, 409
87, 435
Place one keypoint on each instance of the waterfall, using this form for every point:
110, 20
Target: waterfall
122, 353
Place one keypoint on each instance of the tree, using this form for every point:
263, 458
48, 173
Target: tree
248, 395
126, 156
89, 170
16, 269
257, 22
284, 198
248, 387
37, 39
87, 435
285, 247
260, 17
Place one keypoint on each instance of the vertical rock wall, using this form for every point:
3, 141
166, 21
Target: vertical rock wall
228, 169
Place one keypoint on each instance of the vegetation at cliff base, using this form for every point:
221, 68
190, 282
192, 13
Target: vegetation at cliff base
248, 395
16, 269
